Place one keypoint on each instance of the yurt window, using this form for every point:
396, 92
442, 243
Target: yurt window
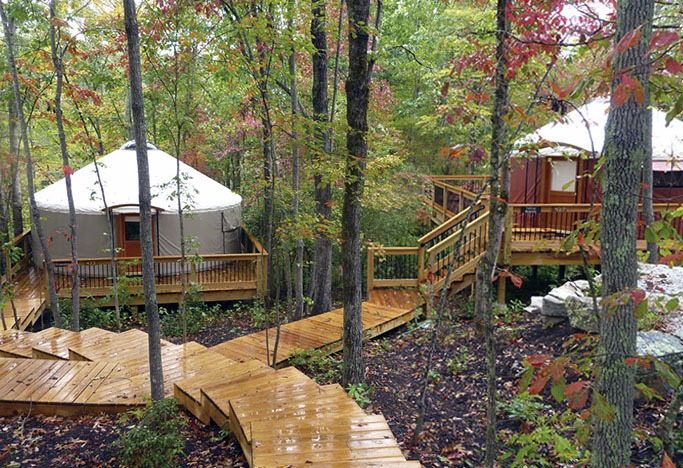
563, 177
132, 228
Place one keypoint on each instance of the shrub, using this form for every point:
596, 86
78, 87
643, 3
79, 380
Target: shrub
152, 436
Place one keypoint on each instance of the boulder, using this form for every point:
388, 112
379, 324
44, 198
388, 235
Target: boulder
663, 346
535, 306
582, 314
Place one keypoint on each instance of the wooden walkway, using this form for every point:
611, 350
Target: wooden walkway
279, 416
28, 301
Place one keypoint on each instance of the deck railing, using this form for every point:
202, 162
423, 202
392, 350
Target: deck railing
430, 260
547, 224
19, 257
452, 194
216, 272
557, 221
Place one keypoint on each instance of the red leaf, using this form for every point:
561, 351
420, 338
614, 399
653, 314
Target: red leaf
638, 360
444, 88
629, 40
557, 369
620, 95
667, 463
67, 170
577, 394
516, 280
663, 38
580, 239
539, 383
637, 296
673, 66
538, 360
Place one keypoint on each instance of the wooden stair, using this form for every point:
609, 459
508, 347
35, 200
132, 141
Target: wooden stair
280, 417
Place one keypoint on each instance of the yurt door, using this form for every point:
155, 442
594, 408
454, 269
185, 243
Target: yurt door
560, 190
129, 235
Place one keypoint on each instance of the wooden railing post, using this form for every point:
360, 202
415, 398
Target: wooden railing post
371, 268
421, 275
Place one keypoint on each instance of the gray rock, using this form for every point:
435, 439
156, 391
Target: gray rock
535, 306
666, 348
554, 306
582, 315
564, 300
663, 346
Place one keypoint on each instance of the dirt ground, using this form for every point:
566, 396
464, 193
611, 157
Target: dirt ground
455, 420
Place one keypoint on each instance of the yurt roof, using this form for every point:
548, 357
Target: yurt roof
574, 132
118, 172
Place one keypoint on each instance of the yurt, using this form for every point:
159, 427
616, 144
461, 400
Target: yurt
553, 163
212, 211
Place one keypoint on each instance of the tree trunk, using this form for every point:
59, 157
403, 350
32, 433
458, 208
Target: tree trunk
33, 208
322, 275
498, 208
299, 246
4, 228
138, 110
75, 277
15, 172
357, 96
627, 139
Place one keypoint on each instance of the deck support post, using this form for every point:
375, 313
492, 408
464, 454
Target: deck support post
502, 282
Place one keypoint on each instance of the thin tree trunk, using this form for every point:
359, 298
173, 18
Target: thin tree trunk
321, 283
73, 231
138, 110
497, 210
299, 247
627, 141
33, 207
15, 172
4, 228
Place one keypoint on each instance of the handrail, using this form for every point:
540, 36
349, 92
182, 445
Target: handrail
24, 242
457, 219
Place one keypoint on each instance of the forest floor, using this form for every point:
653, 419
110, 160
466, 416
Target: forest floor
455, 421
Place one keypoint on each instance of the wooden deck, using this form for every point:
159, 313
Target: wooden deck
29, 300
279, 416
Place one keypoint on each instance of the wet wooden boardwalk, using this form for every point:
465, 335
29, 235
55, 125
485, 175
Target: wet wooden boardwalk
29, 301
279, 416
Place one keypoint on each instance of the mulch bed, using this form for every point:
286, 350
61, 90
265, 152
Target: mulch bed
454, 427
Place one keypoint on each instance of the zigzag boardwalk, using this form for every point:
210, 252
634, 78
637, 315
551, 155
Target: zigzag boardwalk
280, 417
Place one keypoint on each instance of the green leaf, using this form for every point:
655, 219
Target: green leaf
602, 409
525, 381
648, 392
557, 390
671, 304
641, 309
664, 371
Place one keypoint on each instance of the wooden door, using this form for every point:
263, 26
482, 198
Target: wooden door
560, 180
560, 187
129, 235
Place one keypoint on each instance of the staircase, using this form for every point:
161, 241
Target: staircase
462, 237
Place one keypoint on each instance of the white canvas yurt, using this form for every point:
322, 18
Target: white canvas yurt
552, 162
213, 212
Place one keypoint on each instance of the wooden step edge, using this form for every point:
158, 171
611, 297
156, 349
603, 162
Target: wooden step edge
37, 353
193, 406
